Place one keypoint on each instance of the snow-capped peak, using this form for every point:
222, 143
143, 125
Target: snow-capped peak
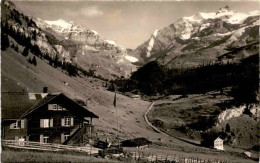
224, 13
60, 22
223, 10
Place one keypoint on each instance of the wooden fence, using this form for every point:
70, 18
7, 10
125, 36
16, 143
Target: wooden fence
48, 146
169, 158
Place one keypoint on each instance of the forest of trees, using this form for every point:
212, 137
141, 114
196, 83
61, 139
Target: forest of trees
153, 78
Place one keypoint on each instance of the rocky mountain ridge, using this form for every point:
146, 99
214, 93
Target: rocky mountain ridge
75, 44
81, 34
200, 39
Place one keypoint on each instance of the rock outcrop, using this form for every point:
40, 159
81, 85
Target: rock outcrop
80, 34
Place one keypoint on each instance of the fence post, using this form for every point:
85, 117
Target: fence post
90, 151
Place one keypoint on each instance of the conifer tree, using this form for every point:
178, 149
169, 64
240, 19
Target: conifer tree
5, 42
34, 62
16, 48
25, 51
30, 60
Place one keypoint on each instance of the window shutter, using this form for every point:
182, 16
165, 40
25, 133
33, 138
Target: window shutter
12, 126
19, 124
41, 123
71, 121
41, 138
62, 137
51, 122
50, 107
62, 122
22, 123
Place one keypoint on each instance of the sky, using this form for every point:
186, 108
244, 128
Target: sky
129, 23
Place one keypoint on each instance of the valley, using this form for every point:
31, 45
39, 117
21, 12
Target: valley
22, 76
190, 83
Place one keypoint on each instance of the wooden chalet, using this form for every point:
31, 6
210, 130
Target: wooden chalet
45, 118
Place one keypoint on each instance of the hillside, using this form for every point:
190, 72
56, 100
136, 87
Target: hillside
197, 115
19, 75
64, 43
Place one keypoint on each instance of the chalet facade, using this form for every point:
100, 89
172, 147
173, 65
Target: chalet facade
45, 118
218, 144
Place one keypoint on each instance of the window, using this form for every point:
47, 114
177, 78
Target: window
46, 123
66, 136
19, 124
54, 106
67, 121
45, 139
16, 125
59, 107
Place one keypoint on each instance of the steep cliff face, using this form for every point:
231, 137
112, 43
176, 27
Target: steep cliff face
201, 38
23, 29
237, 112
81, 34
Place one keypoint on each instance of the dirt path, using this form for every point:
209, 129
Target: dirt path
164, 133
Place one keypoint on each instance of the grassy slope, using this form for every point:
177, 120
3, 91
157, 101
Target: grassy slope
17, 73
182, 117
174, 113
40, 156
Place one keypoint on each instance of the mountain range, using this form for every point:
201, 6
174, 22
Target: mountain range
202, 39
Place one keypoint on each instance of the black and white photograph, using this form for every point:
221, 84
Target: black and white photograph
131, 81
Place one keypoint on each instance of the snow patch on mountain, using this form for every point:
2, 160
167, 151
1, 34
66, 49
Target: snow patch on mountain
203, 26
210, 15
131, 59
151, 43
194, 18
253, 13
59, 22
95, 32
223, 34
111, 42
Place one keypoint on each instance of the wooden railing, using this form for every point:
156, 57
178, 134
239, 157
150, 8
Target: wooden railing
171, 158
48, 146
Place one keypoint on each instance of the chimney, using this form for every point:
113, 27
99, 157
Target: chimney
45, 90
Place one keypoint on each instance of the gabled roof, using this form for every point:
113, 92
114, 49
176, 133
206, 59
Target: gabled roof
218, 138
15, 104
39, 103
76, 109
19, 105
